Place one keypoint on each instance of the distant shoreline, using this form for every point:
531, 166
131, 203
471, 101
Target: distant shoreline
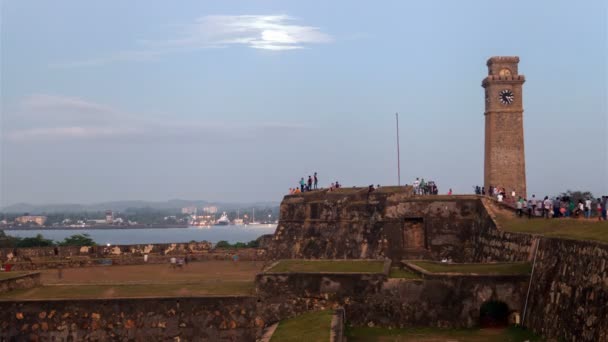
139, 226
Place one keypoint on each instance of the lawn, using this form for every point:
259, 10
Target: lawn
329, 266
155, 273
308, 327
132, 290
579, 229
365, 334
488, 269
399, 273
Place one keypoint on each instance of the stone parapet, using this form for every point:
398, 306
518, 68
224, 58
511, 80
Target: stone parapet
20, 282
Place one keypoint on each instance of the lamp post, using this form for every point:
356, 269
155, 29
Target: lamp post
398, 154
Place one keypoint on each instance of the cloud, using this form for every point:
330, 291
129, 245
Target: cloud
266, 32
52, 118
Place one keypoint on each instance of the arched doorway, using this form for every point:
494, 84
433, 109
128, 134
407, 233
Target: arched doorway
494, 314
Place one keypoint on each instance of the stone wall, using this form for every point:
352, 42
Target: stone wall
389, 222
17, 254
373, 299
495, 245
24, 259
154, 319
569, 294
20, 282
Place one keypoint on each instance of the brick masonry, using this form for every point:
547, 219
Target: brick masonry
504, 163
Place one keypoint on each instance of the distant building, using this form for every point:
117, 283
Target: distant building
189, 210
109, 217
210, 210
93, 222
39, 220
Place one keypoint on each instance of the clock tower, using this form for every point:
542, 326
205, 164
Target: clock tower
504, 164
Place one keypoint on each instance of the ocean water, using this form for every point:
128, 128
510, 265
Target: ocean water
212, 234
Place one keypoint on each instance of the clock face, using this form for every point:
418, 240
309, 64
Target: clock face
506, 97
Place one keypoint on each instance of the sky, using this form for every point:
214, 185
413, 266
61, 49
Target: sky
236, 100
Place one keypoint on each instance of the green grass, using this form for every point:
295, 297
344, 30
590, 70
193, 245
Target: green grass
399, 273
579, 229
498, 269
365, 334
331, 266
308, 327
132, 290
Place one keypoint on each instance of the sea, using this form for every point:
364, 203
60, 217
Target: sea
126, 236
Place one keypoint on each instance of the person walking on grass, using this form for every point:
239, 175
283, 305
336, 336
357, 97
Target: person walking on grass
530, 208
546, 207
520, 206
599, 209
556, 207
588, 208
604, 203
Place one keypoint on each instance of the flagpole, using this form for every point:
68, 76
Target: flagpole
398, 154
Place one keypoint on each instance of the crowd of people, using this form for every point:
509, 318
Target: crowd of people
562, 207
425, 188
311, 184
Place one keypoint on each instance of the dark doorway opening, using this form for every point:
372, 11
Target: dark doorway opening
494, 314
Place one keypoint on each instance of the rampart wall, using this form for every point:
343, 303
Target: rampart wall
39, 258
569, 288
375, 300
20, 282
138, 319
389, 222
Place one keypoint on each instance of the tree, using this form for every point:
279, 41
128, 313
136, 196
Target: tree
37, 241
78, 240
7, 241
575, 196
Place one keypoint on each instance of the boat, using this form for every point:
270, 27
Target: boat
238, 221
223, 220
253, 222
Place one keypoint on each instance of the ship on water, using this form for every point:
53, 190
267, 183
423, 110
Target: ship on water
223, 220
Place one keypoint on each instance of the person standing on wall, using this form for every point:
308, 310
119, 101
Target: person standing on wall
309, 183
302, 182
316, 180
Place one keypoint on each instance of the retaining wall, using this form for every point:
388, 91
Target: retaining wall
20, 282
153, 319
375, 300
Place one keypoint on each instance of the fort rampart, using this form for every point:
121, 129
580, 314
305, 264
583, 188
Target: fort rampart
568, 297
38, 258
20, 282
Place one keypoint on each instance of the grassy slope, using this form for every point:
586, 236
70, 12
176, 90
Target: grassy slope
402, 274
337, 266
308, 327
502, 268
147, 290
580, 229
365, 334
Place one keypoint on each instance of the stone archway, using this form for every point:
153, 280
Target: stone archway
494, 314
